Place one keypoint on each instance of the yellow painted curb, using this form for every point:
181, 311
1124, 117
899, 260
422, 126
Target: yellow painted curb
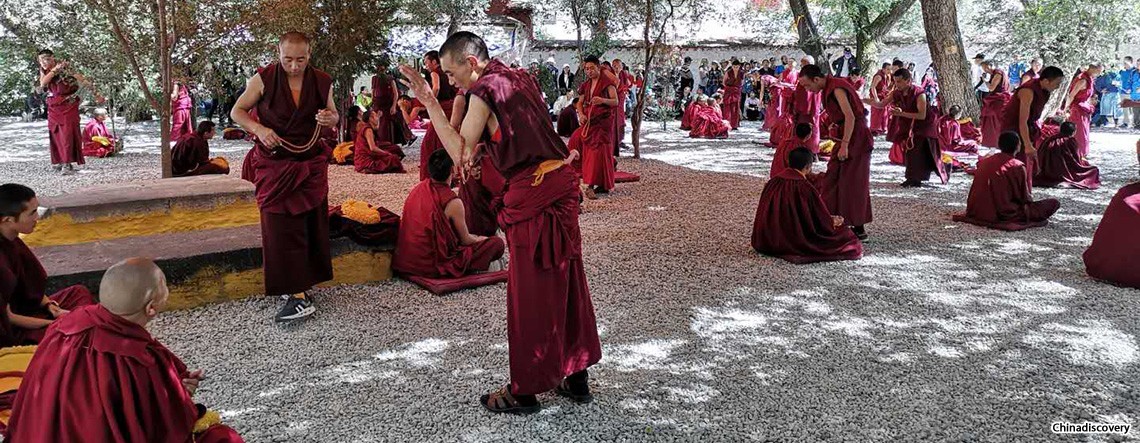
62, 229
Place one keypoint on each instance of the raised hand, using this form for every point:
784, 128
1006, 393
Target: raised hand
414, 81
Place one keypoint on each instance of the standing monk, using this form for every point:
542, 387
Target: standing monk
1022, 114
1082, 105
993, 104
733, 81
384, 96
181, 120
289, 168
624, 84
919, 130
806, 108
847, 185
880, 84
551, 331
62, 89
597, 103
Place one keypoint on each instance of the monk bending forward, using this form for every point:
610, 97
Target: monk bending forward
434, 240
289, 167
793, 223
1000, 197
99, 376
191, 155
551, 330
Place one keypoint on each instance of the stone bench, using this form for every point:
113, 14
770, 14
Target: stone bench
204, 232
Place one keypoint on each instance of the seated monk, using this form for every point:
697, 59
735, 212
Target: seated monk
690, 110
367, 157
99, 376
950, 133
27, 310
1115, 241
191, 155
411, 113
1000, 197
1059, 162
793, 223
433, 240
568, 119
803, 134
708, 122
97, 140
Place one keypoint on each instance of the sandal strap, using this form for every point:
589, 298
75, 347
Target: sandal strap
502, 399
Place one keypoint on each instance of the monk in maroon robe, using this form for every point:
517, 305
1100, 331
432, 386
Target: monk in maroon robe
793, 223
191, 155
62, 88
181, 119
97, 140
367, 156
807, 108
384, 97
551, 331
289, 168
687, 116
708, 122
1000, 197
950, 133
598, 100
1115, 243
99, 376
624, 83
918, 123
1035, 67
780, 159
28, 309
568, 119
1022, 114
1059, 162
431, 141
993, 105
880, 85
1082, 105
434, 240
783, 125
846, 187
733, 84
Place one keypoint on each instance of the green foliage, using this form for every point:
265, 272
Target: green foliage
1066, 33
17, 76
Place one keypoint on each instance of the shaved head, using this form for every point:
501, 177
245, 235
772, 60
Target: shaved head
465, 44
134, 288
293, 37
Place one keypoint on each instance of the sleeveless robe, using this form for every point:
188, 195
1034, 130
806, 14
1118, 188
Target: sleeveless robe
1080, 113
992, 107
733, 84
919, 138
846, 186
597, 135
428, 245
63, 121
1011, 117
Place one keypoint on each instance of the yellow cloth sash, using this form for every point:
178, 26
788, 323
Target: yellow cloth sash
964, 120
360, 212
220, 162
101, 140
826, 146
544, 168
342, 151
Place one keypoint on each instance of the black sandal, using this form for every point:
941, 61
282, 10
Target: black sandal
564, 390
502, 402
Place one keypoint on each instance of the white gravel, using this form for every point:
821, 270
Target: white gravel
942, 332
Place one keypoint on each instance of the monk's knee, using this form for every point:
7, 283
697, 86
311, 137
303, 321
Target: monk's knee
497, 246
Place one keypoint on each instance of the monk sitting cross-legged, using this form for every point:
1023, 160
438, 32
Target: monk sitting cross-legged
99, 376
1059, 162
802, 135
367, 157
191, 155
1000, 197
793, 223
27, 310
1116, 240
97, 140
434, 241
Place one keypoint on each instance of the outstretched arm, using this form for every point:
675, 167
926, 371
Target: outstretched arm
458, 143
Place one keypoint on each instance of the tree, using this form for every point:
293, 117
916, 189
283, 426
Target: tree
657, 14
810, 41
870, 31
452, 12
944, 39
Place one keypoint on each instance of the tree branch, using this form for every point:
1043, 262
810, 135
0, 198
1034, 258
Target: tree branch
885, 21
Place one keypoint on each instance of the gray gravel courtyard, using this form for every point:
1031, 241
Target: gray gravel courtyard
942, 332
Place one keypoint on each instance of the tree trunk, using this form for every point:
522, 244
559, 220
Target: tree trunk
639, 109
868, 33
453, 23
164, 40
940, 18
809, 39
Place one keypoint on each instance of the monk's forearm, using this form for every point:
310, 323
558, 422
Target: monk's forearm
451, 139
848, 131
25, 322
242, 118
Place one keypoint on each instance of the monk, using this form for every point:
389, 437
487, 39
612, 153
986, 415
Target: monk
708, 122
97, 140
897, 134
568, 119
434, 241
598, 100
191, 155
918, 124
1082, 101
289, 169
950, 133
733, 84
1023, 113
431, 141
994, 103
780, 159
793, 223
28, 309
367, 156
551, 331
687, 115
807, 107
1034, 72
1000, 197
1115, 242
623, 84
880, 84
846, 187
61, 85
99, 376
1059, 162
181, 120
441, 87
384, 97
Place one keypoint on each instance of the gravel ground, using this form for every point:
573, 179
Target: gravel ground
942, 332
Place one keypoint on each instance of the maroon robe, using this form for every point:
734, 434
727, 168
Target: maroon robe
780, 158
367, 161
624, 83
950, 137
782, 124
993, 107
1012, 114
733, 82
64, 138
479, 193
1059, 162
807, 108
881, 116
181, 120
775, 107
551, 330
1000, 197
292, 189
97, 377
687, 116
1115, 244
428, 245
846, 187
793, 223
92, 148
1081, 111
597, 135
191, 156
429, 145
709, 123
918, 138
393, 127
23, 282
567, 121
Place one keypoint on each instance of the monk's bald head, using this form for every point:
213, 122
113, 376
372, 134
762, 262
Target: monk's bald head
134, 287
463, 57
293, 51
